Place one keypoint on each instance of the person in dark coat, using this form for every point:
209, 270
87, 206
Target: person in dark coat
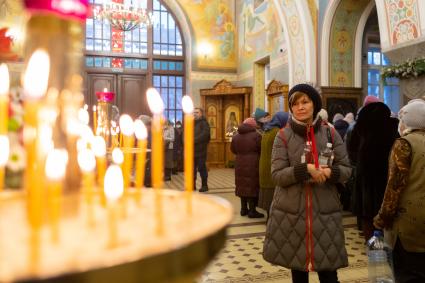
178, 148
266, 183
369, 147
202, 138
341, 126
246, 145
305, 232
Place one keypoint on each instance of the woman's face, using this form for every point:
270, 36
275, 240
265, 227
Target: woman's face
302, 109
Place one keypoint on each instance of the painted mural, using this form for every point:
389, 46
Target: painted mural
296, 34
213, 22
343, 32
403, 20
260, 33
312, 7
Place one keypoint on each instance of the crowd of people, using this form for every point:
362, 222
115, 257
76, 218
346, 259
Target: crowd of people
303, 171
375, 170
173, 148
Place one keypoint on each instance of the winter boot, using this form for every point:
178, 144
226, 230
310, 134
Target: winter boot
244, 206
252, 212
204, 187
167, 175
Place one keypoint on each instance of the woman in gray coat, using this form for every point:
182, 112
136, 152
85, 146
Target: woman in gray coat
305, 231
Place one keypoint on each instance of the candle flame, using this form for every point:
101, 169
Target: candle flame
56, 164
105, 89
4, 150
36, 76
86, 160
99, 146
94, 108
83, 116
117, 156
156, 105
113, 183
126, 125
187, 104
81, 144
4, 79
140, 130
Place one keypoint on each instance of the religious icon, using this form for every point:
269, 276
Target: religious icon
212, 111
232, 122
211, 121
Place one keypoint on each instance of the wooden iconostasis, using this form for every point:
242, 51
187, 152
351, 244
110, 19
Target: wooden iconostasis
226, 106
277, 97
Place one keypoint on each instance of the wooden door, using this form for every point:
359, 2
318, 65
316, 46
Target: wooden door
131, 98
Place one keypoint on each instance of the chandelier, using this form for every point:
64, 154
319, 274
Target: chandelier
123, 17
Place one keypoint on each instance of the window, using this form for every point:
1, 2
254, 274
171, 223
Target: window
171, 90
157, 50
388, 92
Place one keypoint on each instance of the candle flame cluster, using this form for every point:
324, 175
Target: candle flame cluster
107, 180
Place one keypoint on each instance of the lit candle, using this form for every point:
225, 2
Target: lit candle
55, 171
118, 159
36, 79
4, 116
99, 150
114, 189
141, 135
94, 119
117, 156
87, 163
157, 153
4, 157
83, 116
188, 143
156, 105
127, 129
35, 85
4, 98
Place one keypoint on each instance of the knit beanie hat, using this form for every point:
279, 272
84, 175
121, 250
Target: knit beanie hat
370, 99
311, 92
250, 121
412, 115
323, 114
260, 113
337, 116
349, 118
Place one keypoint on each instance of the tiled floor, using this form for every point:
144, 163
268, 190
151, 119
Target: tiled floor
241, 260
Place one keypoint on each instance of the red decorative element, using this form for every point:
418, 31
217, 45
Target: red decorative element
6, 43
117, 40
117, 62
107, 96
407, 28
65, 8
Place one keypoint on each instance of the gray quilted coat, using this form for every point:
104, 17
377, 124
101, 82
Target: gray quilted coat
305, 215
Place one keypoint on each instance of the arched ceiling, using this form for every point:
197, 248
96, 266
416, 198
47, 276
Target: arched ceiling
342, 41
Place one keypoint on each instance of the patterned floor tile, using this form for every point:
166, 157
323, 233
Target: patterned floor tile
241, 258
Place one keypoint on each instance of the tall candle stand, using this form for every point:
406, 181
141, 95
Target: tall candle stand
104, 115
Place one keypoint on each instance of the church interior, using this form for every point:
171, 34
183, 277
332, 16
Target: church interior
73, 67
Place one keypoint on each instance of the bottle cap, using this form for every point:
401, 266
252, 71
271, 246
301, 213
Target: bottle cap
329, 145
378, 233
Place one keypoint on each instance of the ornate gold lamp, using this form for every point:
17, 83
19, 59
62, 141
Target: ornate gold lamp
124, 17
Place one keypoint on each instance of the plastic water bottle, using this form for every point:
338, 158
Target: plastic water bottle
326, 156
379, 259
306, 156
